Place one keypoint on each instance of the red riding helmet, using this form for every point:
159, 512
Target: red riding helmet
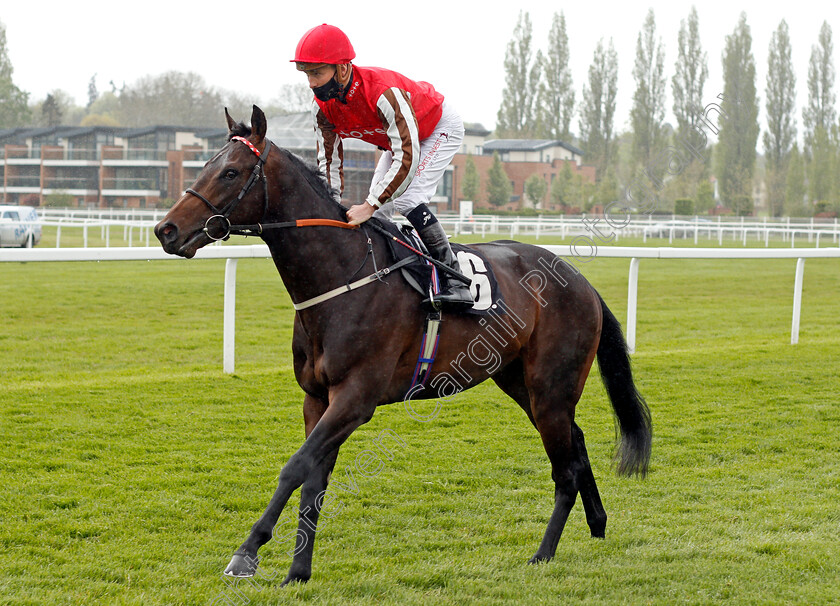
324, 44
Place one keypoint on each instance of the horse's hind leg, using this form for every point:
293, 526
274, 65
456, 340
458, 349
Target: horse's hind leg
511, 380
555, 427
596, 516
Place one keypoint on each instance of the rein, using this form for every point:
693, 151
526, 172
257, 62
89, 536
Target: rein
257, 228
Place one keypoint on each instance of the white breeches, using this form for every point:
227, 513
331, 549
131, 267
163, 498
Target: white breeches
436, 152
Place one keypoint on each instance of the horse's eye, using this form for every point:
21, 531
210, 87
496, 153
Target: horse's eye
230, 174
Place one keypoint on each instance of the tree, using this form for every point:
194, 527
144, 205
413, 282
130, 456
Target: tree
820, 110
690, 73
51, 111
597, 110
691, 70
795, 189
499, 188
561, 186
104, 111
818, 117
648, 110
736, 148
57, 108
292, 99
93, 93
820, 165
781, 121
557, 95
684, 207
538, 123
515, 114
705, 196
14, 103
607, 188
471, 183
535, 189
189, 101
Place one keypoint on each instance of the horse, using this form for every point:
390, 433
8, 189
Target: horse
356, 349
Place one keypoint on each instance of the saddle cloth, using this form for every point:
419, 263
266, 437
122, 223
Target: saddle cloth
422, 275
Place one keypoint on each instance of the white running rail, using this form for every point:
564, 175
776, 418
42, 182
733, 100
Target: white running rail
233, 253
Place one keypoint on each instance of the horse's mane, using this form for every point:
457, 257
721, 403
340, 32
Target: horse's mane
313, 176
309, 171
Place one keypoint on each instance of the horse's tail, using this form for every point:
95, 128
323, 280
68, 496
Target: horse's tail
631, 410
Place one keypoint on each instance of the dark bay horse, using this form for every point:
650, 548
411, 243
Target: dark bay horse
359, 350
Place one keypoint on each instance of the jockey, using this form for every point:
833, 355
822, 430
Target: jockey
417, 131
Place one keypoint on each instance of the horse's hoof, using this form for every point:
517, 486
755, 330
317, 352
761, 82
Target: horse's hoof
242, 566
294, 578
538, 559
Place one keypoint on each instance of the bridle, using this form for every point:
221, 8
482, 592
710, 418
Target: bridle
258, 172
222, 215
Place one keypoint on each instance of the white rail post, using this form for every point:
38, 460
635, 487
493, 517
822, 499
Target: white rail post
797, 301
229, 341
632, 290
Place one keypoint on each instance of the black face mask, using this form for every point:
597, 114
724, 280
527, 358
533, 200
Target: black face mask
330, 90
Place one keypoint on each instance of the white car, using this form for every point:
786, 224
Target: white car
19, 226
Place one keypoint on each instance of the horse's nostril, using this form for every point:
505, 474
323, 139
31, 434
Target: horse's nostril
166, 232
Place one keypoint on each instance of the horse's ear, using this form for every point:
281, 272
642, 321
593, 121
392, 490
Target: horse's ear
230, 121
258, 124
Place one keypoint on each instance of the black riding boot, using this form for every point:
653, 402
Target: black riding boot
454, 293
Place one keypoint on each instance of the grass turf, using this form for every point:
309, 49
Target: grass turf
132, 467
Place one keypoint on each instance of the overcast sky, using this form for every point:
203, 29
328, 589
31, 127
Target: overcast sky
457, 45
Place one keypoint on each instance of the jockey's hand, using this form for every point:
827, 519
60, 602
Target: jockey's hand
359, 213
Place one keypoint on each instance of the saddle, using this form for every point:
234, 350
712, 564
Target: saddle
424, 277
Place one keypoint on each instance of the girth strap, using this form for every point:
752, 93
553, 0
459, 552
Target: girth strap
378, 275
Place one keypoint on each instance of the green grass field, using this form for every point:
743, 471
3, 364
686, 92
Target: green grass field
132, 467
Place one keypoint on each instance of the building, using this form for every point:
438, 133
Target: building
475, 135
532, 150
150, 167
108, 167
102, 166
521, 159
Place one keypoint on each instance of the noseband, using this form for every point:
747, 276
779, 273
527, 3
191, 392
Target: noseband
222, 216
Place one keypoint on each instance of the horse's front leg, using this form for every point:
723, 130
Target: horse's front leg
345, 413
311, 499
311, 503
